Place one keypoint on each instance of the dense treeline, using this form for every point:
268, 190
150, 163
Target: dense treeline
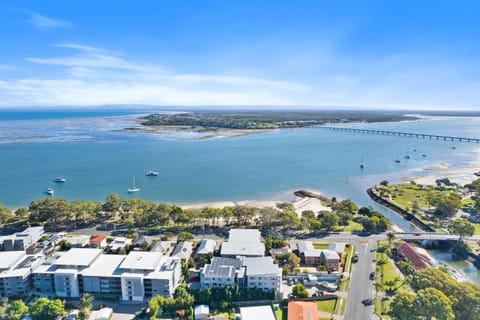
146, 214
437, 296
267, 120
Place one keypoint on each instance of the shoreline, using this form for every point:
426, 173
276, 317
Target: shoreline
300, 203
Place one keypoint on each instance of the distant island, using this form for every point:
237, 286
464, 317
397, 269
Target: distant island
261, 120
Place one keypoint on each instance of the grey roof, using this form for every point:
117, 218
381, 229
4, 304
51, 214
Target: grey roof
106, 265
222, 267
337, 246
312, 253
78, 257
330, 255
303, 246
243, 242
206, 246
183, 250
139, 260
260, 265
161, 246
8, 259
143, 239
244, 235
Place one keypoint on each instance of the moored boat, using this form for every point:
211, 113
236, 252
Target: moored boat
134, 188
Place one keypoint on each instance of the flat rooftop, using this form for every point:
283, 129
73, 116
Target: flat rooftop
8, 259
257, 313
261, 266
139, 260
78, 257
106, 265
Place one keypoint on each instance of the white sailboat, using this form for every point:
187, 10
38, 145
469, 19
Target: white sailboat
134, 189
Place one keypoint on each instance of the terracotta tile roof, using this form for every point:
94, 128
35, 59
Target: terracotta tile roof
417, 260
98, 239
301, 310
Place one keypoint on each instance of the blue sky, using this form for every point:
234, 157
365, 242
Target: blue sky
390, 54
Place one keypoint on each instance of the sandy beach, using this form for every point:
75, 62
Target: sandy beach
460, 175
300, 204
194, 133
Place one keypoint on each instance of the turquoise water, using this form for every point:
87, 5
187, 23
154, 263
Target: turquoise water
462, 270
98, 160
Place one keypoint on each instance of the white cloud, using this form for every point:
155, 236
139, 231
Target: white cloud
44, 23
94, 76
5, 67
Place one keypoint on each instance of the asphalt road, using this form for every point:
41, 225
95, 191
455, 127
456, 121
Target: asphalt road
361, 287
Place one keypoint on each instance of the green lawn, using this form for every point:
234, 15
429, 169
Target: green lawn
386, 271
321, 245
404, 195
351, 227
327, 305
477, 228
281, 313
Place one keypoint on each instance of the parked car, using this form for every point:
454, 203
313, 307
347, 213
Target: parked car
372, 275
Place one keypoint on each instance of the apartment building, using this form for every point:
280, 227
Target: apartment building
247, 272
133, 277
243, 242
20, 241
15, 272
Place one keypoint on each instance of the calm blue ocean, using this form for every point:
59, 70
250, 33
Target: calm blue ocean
98, 160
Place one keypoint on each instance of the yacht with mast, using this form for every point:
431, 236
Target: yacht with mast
134, 188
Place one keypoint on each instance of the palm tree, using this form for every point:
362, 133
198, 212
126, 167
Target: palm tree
391, 237
85, 304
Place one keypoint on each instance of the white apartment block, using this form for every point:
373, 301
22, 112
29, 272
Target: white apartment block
15, 271
247, 272
133, 277
20, 241
243, 242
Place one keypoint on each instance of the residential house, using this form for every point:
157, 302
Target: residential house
183, 250
257, 313
206, 247
330, 259
162, 246
408, 252
201, 311
98, 242
302, 310
78, 241
338, 247
119, 243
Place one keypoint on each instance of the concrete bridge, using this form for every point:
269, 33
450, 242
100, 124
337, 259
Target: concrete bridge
399, 134
431, 236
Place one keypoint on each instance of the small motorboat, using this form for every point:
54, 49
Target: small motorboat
151, 173
60, 180
50, 191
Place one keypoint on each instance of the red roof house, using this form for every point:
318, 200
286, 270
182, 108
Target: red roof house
418, 260
301, 310
99, 241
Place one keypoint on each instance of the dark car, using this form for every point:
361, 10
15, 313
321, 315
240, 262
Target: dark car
372, 275
367, 302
